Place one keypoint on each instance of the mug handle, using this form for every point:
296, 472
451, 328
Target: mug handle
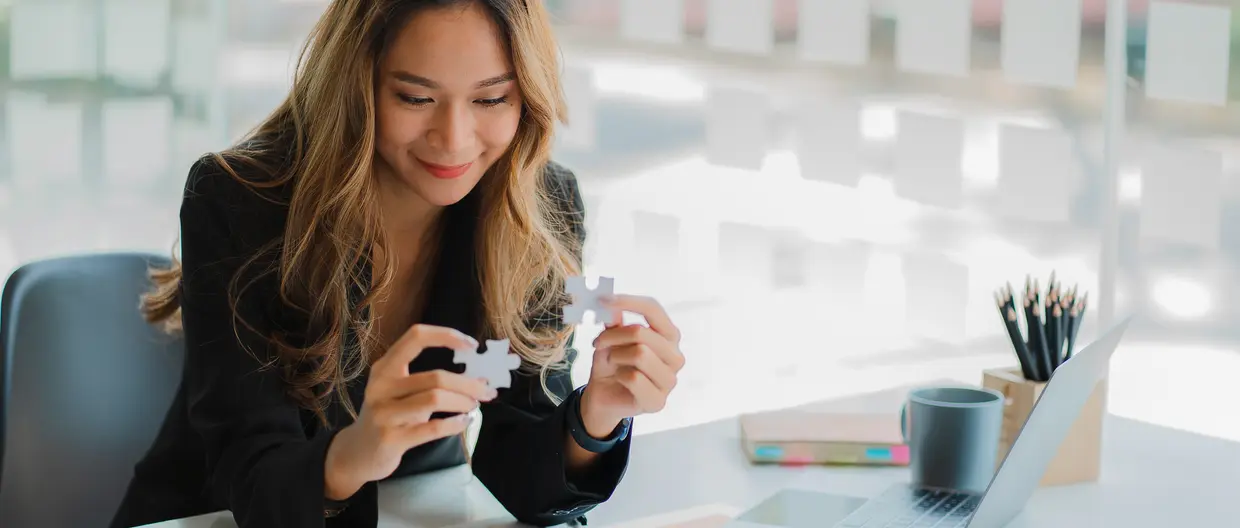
904, 421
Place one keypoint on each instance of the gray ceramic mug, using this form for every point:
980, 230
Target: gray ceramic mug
953, 436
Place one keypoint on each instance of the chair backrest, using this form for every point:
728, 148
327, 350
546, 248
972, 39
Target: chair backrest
85, 383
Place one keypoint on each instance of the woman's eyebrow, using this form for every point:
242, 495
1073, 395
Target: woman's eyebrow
497, 80
409, 78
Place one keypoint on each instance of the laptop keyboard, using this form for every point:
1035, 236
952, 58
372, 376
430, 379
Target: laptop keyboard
905, 507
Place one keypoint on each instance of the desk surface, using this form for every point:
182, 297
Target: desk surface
1151, 476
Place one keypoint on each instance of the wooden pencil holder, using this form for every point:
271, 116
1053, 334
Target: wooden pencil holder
1080, 456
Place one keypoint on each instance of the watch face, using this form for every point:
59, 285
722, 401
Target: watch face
622, 431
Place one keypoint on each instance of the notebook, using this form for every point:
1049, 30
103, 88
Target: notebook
804, 436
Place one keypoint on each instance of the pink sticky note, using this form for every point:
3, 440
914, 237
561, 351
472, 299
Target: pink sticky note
899, 454
797, 457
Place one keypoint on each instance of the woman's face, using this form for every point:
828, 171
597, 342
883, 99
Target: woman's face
447, 102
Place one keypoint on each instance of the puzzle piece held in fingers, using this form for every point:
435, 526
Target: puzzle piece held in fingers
585, 298
495, 365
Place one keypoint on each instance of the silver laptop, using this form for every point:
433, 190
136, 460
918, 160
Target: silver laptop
1070, 386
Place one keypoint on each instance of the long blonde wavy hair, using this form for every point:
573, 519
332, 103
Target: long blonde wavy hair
525, 248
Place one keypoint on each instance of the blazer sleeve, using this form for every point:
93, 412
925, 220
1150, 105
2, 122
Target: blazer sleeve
262, 464
520, 454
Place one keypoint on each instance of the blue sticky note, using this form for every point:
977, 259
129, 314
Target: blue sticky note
878, 453
768, 452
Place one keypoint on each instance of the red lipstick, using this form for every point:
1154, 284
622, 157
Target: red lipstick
445, 172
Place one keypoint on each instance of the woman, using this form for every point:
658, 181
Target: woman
398, 205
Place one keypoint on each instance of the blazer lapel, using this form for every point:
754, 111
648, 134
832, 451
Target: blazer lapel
454, 299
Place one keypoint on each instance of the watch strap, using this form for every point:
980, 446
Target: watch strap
577, 428
332, 508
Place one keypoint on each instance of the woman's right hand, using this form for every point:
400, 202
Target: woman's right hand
396, 413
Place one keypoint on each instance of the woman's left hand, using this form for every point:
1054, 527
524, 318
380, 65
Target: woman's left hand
635, 366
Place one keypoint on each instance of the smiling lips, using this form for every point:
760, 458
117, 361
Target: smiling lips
445, 172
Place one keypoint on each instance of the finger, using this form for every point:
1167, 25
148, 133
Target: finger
649, 398
436, 379
649, 308
617, 319
418, 338
417, 408
437, 429
645, 360
666, 351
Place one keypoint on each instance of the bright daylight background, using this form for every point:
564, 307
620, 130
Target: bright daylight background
824, 193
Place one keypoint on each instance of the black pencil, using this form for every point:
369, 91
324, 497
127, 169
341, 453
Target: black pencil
1008, 312
1049, 323
1073, 316
1078, 313
1057, 328
1037, 292
1050, 294
1065, 306
1034, 327
1044, 351
1034, 330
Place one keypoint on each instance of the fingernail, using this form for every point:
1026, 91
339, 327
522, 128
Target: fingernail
466, 417
491, 393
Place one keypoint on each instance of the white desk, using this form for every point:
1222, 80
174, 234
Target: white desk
1151, 476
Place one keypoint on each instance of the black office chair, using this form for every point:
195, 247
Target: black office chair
84, 386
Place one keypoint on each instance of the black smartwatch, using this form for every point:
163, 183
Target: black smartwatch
583, 438
332, 508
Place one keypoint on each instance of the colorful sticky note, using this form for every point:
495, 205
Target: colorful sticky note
899, 454
829, 142
196, 50
1037, 168
1181, 189
928, 164
33, 125
793, 460
742, 26
136, 125
835, 31
1188, 52
53, 40
738, 126
657, 21
579, 92
878, 454
838, 270
935, 299
745, 253
657, 235
136, 40
934, 36
773, 452
1041, 42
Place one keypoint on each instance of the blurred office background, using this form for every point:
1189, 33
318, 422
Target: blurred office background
824, 193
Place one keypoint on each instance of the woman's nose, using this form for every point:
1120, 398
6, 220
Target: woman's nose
453, 131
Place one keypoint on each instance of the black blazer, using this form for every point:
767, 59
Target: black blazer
233, 440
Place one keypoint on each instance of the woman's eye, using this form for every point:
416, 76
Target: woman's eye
415, 101
493, 102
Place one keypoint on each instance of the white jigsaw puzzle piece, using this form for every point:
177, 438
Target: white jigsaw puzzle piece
585, 298
495, 365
